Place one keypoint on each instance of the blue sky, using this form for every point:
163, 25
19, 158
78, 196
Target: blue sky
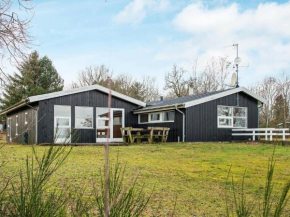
146, 37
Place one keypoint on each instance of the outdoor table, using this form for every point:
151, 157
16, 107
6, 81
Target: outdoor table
159, 134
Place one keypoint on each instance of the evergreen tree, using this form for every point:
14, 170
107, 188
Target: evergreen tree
36, 76
279, 108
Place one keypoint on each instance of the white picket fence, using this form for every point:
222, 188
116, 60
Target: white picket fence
265, 132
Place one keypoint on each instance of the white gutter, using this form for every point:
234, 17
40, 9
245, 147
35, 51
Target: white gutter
183, 123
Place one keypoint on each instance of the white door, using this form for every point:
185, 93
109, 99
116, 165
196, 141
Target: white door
62, 128
109, 123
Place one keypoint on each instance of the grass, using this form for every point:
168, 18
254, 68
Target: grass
192, 174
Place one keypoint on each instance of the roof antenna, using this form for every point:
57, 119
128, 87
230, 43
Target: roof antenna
237, 61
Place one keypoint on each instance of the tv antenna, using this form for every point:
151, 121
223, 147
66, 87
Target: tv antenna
237, 61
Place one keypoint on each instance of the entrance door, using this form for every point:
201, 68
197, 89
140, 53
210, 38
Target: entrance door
117, 117
109, 121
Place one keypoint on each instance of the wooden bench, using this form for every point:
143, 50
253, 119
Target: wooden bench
159, 134
151, 134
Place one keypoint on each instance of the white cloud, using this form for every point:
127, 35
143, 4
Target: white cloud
137, 10
263, 35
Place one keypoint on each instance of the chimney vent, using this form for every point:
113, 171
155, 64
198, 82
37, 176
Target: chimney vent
190, 90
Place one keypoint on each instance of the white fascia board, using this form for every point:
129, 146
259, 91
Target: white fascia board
157, 109
83, 89
223, 94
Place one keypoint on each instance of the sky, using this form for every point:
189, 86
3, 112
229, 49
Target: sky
146, 37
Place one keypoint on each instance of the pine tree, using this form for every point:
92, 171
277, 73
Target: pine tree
279, 108
36, 76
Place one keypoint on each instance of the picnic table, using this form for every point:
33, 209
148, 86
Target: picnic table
151, 134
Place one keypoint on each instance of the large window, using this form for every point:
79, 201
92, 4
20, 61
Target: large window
157, 117
232, 117
62, 123
83, 117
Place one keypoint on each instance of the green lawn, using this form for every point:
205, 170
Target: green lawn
194, 172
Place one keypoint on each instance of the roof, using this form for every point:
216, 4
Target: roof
191, 100
69, 92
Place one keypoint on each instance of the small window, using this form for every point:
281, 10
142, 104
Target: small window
62, 111
155, 117
8, 126
143, 118
83, 117
225, 111
16, 126
168, 116
25, 118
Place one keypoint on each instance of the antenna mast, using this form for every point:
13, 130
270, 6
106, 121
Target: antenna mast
237, 62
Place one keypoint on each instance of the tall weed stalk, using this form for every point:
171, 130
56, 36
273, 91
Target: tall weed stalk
124, 199
271, 206
32, 195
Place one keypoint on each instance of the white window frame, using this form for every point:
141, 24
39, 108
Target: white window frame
16, 126
9, 127
155, 113
105, 119
25, 118
92, 127
163, 116
59, 140
231, 117
111, 126
155, 122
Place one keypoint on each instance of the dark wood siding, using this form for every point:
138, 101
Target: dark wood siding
30, 127
89, 98
175, 127
201, 120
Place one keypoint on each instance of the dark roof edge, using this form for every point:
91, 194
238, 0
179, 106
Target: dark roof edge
15, 106
161, 108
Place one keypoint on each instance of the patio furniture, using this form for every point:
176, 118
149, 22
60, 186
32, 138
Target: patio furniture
151, 134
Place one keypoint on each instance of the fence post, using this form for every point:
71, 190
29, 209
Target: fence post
254, 135
283, 135
271, 135
266, 134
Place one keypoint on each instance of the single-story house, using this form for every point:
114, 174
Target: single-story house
83, 112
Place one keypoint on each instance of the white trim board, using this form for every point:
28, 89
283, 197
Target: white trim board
83, 89
223, 94
201, 100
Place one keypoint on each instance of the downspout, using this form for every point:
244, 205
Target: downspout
183, 123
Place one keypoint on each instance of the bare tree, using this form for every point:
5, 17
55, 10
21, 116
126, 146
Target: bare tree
175, 82
144, 90
14, 36
93, 75
213, 77
284, 89
268, 89
151, 89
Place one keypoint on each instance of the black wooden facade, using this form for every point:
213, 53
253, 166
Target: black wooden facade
201, 121
25, 118
91, 98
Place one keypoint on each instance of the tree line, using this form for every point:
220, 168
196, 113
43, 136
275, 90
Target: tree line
37, 75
